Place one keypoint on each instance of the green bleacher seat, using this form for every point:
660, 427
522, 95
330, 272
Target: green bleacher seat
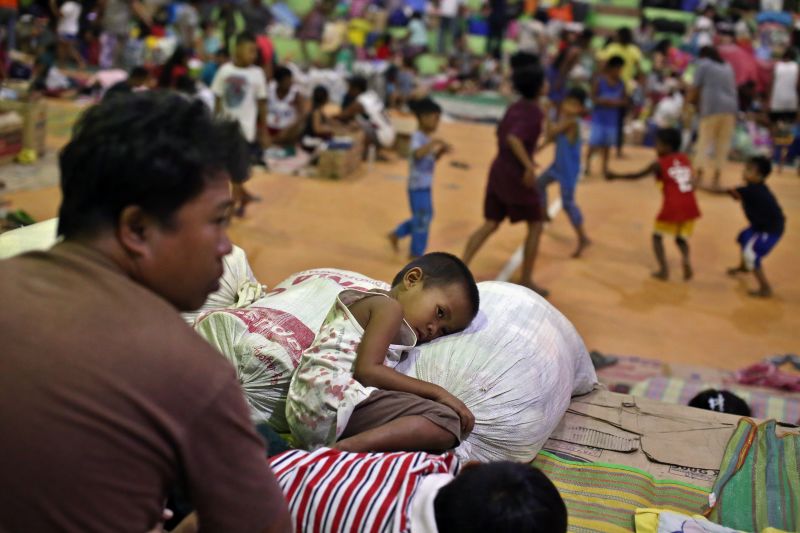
612, 22
669, 14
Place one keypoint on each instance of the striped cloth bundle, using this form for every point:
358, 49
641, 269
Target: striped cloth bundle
603, 498
759, 481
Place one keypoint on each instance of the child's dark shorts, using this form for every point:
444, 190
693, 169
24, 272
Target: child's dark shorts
497, 210
382, 406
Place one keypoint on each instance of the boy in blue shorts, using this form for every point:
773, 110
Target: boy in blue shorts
425, 150
608, 97
566, 134
766, 219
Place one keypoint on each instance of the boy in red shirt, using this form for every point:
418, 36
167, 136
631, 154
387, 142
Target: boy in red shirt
679, 210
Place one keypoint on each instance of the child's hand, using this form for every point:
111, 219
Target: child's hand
529, 178
466, 416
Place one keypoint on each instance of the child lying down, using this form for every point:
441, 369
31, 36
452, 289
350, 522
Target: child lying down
330, 491
343, 389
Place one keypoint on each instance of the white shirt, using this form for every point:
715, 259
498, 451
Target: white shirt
784, 87
449, 8
281, 112
668, 111
240, 90
70, 17
376, 115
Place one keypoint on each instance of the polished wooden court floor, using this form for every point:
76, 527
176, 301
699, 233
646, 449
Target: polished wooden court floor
608, 294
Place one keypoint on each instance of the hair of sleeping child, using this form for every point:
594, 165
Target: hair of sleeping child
502, 496
440, 269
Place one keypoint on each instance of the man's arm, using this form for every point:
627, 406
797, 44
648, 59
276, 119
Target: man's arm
141, 12
650, 169
224, 465
350, 112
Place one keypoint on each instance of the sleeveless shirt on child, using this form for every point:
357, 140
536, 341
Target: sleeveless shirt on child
323, 392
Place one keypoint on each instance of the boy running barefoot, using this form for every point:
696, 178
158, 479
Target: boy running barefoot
679, 210
766, 219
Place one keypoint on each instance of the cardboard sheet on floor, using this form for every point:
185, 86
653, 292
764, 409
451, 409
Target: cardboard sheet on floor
671, 442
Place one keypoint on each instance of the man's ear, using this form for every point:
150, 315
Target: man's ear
412, 277
134, 228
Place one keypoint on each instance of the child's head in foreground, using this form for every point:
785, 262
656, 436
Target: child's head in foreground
757, 169
428, 113
319, 98
500, 497
438, 294
528, 81
668, 141
574, 104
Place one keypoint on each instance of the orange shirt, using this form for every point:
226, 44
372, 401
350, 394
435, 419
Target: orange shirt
9, 4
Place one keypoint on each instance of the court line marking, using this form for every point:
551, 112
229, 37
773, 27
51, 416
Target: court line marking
515, 260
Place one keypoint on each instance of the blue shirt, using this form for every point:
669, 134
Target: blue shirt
604, 115
567, 165
421, 170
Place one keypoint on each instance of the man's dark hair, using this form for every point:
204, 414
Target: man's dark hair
762, 165
138, 73
424, 106
671, 137
501, 496
523, 59
616, 62
358, 83
155, 150
709, 52
720, 401
245, 37
528, 81
281, 73
625, 36
578, 94
440, 268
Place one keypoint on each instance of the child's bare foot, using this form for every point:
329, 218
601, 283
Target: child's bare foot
736, 270
541, 291
582, 245
663, 275
393, 240
763, 292
688, 273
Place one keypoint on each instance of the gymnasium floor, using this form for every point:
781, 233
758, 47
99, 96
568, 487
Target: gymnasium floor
609, 295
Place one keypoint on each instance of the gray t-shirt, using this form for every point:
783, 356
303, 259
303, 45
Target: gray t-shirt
717, 85
117, 17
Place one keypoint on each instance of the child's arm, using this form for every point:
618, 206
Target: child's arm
733, 193
261, 123
384, 320
318, 124
650, 169
431, 147
518, 149
553, 131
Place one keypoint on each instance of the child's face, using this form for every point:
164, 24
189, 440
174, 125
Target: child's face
429, 122
615, 73
246, 53
434, 311
572, 107
750, 174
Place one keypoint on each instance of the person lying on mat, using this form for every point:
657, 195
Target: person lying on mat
330, 491
108, 400
343, 389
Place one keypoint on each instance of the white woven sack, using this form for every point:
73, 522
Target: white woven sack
515, 367
265, 341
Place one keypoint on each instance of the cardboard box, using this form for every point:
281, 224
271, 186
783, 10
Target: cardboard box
671, 442
339, 164
34, 117
10, 136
